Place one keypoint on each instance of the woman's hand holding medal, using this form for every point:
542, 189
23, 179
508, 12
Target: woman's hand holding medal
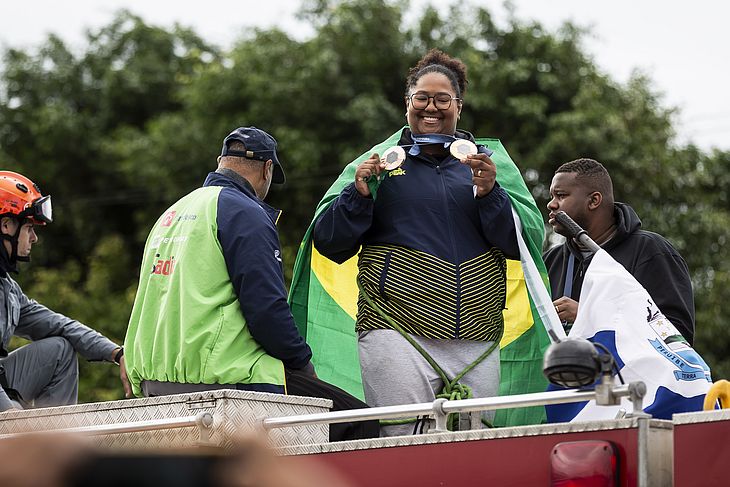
392, 159
484, 171
372, 167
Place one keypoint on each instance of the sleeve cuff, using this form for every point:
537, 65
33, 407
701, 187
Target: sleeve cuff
355, 202
495, 199
103, 352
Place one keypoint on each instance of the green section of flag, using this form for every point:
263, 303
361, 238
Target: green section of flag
521, 373
521, 360
331, 332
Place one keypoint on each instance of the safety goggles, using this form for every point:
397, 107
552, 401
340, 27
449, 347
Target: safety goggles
40, 210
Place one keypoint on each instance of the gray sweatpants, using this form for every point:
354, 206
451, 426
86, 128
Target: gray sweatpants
44, 372
394, 372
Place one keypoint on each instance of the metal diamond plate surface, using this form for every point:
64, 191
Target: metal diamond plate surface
702, 417
233, 412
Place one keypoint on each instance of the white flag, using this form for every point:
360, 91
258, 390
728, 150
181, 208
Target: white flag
616, 311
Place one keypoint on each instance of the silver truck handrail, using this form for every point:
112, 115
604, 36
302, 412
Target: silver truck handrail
203, 420
441, 408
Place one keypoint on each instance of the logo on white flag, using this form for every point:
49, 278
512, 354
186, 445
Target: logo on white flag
689, 364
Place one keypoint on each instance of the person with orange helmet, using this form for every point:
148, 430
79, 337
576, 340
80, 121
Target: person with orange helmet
44, 372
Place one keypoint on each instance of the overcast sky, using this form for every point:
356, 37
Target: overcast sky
682, 46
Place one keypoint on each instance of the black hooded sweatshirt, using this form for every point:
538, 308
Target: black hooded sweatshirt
648, 256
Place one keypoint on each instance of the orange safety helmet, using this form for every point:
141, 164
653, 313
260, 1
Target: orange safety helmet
20, 197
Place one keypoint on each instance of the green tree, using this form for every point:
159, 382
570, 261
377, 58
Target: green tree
60, 114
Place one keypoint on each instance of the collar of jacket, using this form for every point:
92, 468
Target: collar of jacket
627, 223
231, 179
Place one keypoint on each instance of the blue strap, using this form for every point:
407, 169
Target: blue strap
568, 287
429, 139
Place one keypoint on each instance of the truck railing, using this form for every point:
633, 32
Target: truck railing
604, 394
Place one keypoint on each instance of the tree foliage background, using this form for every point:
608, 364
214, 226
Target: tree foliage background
120, 130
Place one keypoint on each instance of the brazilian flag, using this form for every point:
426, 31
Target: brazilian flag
323, 298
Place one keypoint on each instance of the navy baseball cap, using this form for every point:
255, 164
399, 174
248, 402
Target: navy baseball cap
259, 145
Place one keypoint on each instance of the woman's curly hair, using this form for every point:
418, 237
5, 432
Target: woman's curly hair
437, 61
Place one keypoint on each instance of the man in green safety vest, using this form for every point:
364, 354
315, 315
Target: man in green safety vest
211, 309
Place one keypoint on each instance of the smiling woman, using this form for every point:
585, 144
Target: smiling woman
433, 97
432, 250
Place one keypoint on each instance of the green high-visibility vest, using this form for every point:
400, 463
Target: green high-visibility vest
186, 324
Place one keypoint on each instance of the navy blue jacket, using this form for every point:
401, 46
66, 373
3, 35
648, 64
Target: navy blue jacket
251, 249
428, 206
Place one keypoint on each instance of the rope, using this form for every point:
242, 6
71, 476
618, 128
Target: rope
452, 390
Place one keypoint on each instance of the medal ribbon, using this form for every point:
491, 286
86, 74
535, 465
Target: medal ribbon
422, 139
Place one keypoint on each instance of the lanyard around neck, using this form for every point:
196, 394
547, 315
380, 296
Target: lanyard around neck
423, 139
568, 287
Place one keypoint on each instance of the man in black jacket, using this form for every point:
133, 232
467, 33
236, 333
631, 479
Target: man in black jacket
583, 189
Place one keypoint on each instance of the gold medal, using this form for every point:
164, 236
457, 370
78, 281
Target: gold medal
393, 157
462, 148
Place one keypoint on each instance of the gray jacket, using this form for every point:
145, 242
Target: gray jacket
28, 319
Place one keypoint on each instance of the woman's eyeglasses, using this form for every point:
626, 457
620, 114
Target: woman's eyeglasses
442, 101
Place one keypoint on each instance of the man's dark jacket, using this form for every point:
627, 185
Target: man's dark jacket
648, 256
